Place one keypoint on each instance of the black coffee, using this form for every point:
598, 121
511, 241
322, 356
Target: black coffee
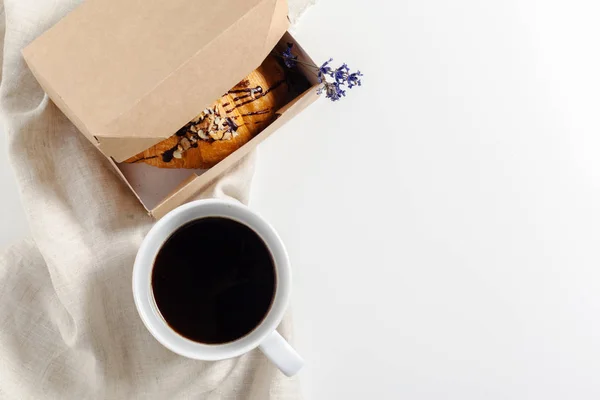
214, 280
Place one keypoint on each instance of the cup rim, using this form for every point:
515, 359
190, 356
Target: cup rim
144, 263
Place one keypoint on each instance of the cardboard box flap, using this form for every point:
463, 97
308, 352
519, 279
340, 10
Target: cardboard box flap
143, 68
120, 149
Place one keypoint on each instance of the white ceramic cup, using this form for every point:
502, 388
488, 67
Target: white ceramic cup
264, 336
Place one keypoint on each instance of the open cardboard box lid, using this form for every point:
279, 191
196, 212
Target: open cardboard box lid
130, 73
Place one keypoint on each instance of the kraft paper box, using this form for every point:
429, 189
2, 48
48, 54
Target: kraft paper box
130, 73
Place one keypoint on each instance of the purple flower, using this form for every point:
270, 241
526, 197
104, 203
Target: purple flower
341, 74
332, 91
324, 70
288, 58
354, 80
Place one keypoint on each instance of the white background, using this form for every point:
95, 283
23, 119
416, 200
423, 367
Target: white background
444, 219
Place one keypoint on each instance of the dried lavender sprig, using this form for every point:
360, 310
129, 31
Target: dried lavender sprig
300, 62
354, 80
325, 70
332, 90
289, 59
341, 75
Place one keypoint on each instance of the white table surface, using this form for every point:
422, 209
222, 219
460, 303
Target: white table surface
444, 219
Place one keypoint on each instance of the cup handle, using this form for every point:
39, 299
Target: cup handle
280, 353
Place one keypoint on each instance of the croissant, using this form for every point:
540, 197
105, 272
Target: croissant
234, 119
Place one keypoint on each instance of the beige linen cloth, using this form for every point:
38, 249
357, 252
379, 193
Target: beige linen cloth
68, 325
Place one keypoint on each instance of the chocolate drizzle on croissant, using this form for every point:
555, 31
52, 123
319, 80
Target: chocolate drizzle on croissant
229, 123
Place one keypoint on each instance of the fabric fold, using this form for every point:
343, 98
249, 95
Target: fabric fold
68, 325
